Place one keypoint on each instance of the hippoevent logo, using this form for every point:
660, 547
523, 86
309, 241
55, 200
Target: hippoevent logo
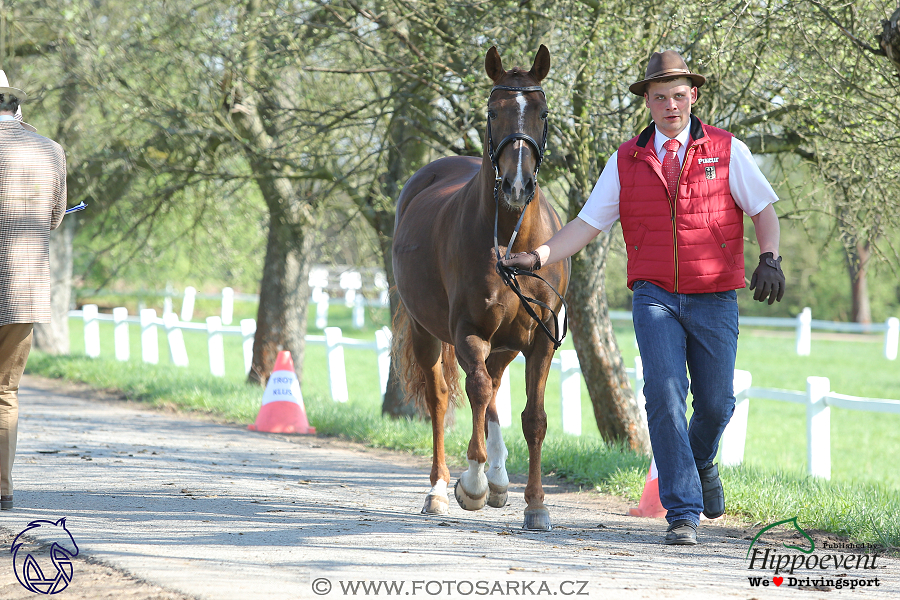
40, 569
802, 567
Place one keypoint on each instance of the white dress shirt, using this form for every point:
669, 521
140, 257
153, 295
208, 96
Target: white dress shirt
749, 187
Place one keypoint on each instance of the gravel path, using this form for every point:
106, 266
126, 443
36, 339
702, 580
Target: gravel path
167, 507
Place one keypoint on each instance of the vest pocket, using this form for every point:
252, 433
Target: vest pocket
720, 242
634, 246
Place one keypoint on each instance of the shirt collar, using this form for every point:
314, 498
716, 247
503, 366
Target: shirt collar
683, 137
7, 118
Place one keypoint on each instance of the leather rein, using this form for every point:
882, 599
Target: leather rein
509, 274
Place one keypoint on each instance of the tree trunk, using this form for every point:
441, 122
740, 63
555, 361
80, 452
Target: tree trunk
283, 298
53, 337
618, 416
857, 261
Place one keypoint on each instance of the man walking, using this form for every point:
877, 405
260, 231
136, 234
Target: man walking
32, 202
680, 190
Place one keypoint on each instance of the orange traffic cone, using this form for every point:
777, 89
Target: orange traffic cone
650, 506
282, 408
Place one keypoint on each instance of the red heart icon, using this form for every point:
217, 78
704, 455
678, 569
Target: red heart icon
778, 580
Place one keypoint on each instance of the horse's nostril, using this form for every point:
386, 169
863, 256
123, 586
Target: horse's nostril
529, 186
506, 186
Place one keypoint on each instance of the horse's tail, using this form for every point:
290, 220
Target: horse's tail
412, 376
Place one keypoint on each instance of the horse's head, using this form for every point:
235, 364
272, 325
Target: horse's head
517, 125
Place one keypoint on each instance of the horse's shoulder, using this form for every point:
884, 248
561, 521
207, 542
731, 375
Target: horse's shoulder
438, 176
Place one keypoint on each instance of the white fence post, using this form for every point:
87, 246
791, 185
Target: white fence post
892, 338
351, 283
818, 427
149, 336
321, 299
91, 330
216, 346
381, 284
359, 312
804, 333
734, 439
337, 374
248, 332
187, 305
177, 351
639, 387
383, 345
503, 403
570, 391
227, 305
120, 333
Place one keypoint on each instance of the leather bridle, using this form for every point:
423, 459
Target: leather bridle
508, 274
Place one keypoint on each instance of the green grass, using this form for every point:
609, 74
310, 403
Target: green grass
862, 500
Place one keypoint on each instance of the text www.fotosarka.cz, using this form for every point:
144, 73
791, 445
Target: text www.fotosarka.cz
448, 588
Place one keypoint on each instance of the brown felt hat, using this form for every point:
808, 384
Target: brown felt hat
665, 65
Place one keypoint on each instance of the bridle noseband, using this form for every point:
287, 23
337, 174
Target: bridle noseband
508, 274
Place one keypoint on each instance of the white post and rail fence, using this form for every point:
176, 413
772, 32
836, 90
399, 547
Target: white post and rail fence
818, 398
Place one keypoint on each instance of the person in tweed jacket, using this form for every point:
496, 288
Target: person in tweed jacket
32, 202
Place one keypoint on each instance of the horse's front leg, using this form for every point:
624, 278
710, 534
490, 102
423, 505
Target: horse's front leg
498, 480
534, 427
472, 486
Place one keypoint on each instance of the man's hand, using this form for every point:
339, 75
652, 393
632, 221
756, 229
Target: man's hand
768, 279
527, 261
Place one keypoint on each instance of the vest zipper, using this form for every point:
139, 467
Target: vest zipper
674, 208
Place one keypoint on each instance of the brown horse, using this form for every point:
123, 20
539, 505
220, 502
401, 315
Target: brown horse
455, 302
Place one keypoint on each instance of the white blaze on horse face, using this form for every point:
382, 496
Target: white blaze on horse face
474, 481
518, 186
497, 453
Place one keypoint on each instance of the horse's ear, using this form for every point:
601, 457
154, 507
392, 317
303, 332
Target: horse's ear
492, 65
541, 65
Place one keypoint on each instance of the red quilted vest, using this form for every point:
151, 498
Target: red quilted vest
693, 243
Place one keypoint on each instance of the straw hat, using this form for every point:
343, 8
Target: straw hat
665, 65
5, 89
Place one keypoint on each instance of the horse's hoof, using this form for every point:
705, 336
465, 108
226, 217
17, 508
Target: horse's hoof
465, 501
537, 519
496, 496
436, 505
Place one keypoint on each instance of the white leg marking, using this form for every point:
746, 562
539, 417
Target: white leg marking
497, 453
439, 489
474, 481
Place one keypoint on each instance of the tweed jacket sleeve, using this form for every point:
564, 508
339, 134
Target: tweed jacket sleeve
32, 202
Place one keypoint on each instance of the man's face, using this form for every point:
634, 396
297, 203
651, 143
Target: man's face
670, 104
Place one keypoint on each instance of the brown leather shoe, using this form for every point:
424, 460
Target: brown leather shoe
6, 502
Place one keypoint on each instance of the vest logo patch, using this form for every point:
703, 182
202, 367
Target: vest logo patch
710, 172
706, 161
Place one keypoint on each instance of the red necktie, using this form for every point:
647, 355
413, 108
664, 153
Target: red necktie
671, 168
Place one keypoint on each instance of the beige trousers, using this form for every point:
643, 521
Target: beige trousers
15, 344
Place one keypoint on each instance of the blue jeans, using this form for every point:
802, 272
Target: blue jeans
700, 330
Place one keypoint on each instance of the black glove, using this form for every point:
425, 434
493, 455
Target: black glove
768, 279
527, 261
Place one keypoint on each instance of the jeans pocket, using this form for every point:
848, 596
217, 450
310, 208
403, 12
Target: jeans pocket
638, 285
726, 296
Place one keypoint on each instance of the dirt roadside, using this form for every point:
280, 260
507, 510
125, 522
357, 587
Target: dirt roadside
167, 507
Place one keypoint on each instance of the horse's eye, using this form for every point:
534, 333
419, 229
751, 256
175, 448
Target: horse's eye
492, 114
544, 115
